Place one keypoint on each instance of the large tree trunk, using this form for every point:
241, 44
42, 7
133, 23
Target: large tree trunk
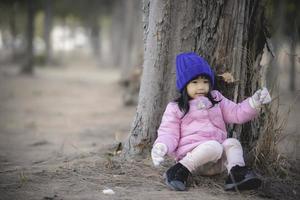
229, 34
28, 66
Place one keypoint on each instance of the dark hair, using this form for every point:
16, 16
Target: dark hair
183, 100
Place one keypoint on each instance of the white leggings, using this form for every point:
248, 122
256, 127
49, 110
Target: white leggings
211, 157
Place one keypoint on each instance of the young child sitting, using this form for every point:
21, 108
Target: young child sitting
193, 128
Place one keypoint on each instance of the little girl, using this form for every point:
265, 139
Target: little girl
193, 128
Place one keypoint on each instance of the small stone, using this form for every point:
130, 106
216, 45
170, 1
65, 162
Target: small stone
108, 191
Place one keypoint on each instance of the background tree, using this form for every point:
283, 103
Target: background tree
13, 22
28, 66
229, 34
117, 28
285, 29
48, 23
292, 31
20, 30
131, 38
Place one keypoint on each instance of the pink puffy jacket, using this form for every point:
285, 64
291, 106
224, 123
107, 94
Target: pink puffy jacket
201, 123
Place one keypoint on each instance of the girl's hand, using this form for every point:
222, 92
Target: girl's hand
158, 152
261, 96
265, 96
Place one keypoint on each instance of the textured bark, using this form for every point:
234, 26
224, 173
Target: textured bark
229, 34
155, 87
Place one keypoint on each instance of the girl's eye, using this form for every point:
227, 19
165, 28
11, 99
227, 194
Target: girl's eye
194, 82
205, 81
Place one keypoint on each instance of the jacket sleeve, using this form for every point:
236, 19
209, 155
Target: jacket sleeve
168, 132
237, 113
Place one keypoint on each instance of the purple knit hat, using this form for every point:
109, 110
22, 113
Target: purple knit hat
190, 65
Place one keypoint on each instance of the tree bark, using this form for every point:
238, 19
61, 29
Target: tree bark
229, 34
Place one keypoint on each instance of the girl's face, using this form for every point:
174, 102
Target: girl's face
198, 87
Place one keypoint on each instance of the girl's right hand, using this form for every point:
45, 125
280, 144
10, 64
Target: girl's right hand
158, 152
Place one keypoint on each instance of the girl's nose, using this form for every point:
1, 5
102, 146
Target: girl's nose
200, 87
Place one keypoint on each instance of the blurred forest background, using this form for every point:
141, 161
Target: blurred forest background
37, 33
74, 67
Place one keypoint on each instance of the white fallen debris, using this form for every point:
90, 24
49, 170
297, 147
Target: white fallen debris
108, 191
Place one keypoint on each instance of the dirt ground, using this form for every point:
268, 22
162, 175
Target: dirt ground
58, 129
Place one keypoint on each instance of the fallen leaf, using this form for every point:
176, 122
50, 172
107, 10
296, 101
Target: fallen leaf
227, 77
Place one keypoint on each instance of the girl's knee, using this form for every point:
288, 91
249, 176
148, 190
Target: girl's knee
214, 148
231, 142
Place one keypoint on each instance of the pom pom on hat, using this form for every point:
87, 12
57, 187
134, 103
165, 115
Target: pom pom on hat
190, 65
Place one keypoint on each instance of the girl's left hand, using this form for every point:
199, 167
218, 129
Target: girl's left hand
261, 96
265, 96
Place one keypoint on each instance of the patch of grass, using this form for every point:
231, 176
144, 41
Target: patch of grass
267, 157
23, 178
281, 179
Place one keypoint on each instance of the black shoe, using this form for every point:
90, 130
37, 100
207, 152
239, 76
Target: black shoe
176, 177
242, 178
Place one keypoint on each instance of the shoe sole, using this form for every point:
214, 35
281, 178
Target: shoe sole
174, 185
247, 184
